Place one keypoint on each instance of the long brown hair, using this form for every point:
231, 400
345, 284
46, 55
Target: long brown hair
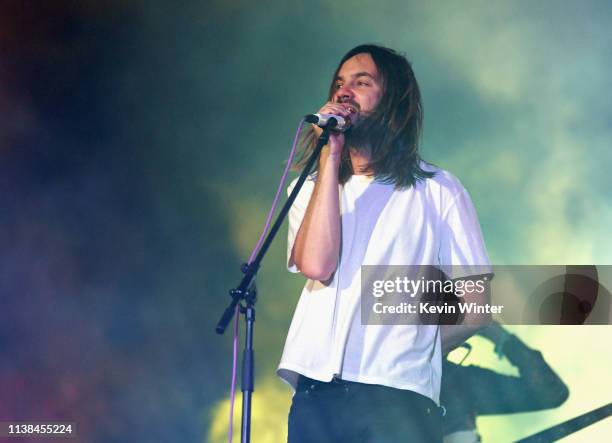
393, 129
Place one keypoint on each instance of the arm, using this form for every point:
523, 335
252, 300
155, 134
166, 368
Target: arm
491, 393
462, 252
454, 335
317, 245
538, 387
473, 390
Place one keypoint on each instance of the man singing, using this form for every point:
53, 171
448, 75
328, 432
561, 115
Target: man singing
372, 201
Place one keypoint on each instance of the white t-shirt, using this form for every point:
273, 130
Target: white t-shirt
432, 223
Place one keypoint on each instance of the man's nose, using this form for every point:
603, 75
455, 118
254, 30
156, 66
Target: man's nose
344, 92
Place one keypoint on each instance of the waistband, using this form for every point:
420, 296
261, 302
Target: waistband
308, 385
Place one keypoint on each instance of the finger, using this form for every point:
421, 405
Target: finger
335, 108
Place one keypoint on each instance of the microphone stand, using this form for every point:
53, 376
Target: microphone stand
247, 291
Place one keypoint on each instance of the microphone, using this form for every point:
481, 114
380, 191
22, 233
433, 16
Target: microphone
335, 122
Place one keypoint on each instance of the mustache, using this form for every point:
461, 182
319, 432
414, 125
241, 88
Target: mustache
353, 104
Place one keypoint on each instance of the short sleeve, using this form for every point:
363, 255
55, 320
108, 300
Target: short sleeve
296, 215
462, 251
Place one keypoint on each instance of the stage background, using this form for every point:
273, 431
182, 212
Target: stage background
140, 146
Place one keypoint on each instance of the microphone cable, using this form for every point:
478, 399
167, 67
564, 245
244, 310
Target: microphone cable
251, 258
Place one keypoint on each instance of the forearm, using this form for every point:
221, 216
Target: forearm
472, 321
317, 244
455, 335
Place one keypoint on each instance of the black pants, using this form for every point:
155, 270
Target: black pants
341, 411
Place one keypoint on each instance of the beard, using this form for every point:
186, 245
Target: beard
364, 133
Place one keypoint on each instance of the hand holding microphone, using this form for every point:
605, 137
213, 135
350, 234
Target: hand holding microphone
339, 123
341, 112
